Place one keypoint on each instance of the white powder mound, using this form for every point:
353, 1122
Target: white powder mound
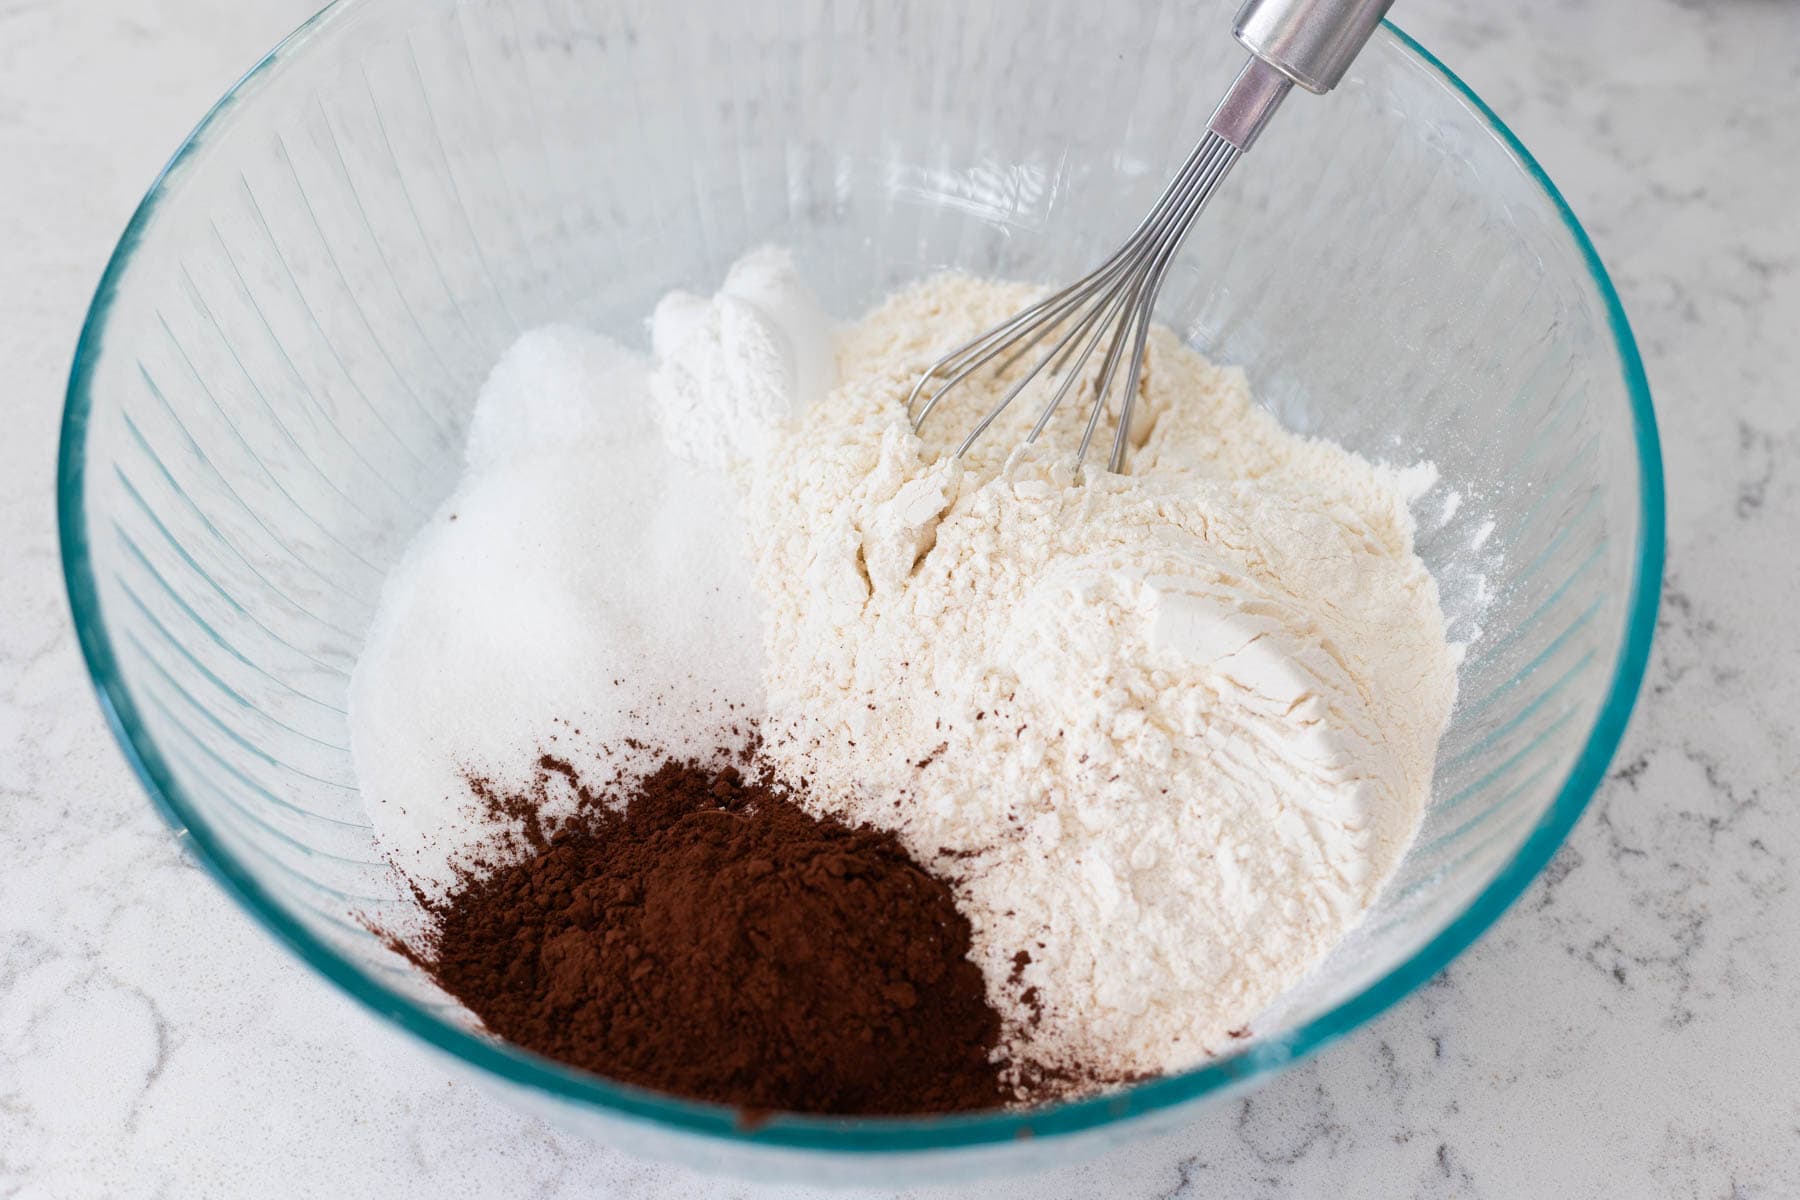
1171, 729
731, 370
580, 579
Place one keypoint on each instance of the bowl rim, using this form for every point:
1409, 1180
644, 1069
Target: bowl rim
861, 1135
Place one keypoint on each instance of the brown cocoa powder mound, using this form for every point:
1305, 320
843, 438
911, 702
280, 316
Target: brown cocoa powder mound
716, 941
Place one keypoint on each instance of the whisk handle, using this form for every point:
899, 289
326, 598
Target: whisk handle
1312, 42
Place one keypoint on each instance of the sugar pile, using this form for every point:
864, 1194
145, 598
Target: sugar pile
578, 588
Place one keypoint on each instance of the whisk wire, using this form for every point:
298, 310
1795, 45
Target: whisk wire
1068, 297
1308, 43
1153, 281
1111, 304
1046, 313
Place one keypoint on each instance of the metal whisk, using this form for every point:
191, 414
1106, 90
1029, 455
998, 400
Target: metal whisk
1308, 42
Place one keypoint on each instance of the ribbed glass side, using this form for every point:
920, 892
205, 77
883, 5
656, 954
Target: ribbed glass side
272, 393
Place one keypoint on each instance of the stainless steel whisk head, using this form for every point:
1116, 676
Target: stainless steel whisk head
1309, 42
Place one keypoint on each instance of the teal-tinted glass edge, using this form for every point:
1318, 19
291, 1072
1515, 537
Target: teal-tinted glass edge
858, 1136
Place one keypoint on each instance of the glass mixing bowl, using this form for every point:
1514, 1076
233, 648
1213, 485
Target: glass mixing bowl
271, 387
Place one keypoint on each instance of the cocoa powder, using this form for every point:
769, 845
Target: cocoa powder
714, 940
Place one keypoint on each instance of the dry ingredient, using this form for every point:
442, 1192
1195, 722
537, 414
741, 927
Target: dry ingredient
707, 936
732, 369
1166, 734
509, 621
1174, 728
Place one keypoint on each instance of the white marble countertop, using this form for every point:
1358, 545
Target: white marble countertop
1629, 1029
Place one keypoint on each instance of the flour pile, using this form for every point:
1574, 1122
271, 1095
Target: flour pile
1167, 732
1171, 729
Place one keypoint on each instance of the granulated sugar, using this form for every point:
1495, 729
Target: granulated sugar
581, 587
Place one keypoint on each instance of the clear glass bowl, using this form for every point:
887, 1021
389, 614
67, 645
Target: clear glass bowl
271, 387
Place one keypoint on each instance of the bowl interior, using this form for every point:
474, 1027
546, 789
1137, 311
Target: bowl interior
270, 395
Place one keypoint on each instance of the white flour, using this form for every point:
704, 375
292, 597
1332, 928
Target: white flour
1171, 730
